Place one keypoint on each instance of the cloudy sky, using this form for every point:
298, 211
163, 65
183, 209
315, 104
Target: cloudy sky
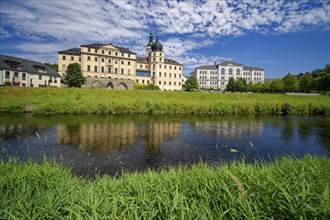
279, 36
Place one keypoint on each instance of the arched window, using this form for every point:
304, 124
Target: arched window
238, 72
230, 72
223, 71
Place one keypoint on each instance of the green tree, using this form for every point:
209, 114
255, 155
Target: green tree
276, 86
266, 87
192, 84
241, 85
290, 83
53, 66
231, 86
322, 79
73, 75
306, 83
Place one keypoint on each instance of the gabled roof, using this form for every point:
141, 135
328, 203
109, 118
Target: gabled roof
73, 51
207, 67
166, 61
97, 46
229, 62
24, 65
249, 68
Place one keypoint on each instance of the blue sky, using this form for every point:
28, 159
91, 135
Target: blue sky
279, 36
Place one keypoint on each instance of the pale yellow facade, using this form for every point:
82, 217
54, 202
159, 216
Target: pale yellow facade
109, 61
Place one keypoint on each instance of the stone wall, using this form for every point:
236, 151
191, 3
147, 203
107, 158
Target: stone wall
104, 83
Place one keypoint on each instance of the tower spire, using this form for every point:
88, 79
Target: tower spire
150, 40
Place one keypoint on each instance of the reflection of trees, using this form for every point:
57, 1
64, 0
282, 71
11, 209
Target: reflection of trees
108, 136
230, 129
288, 126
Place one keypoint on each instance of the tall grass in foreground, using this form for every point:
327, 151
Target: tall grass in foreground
286, 189
87, 101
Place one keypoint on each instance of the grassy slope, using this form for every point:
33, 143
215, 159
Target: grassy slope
286, 189
54, 100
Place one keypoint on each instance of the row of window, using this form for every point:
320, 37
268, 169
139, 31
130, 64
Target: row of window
109, 60
169, 83
212, 72
257, 73
160, 66
109, 52
122, 71
212, 83
257, 78
23, 76
71, 58
165, 75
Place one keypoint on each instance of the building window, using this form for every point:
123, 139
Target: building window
109, 52
230, 72
170, 74
63, 67
154, 59
95, 69
238, 72
165, 83
146, 66
95, 59
15, 74
223, 71
164, 66
179, 75
102, 69
129, 55
116, 70
164, 74
102, 51
160, 59
122, 62
128, 63
180, 68
96, 50
141, 66
147, 81
175, 68
88, 58
137, 81
63, 57
170, 67
116, 53
72, 58
40, 77
89, 49
102, 60
169, 82
142, 81
175, 83
116, 61
79, 59
109, 60
23, 76
154, 54
160, 65
109, 69
159, 82
129, 72
88, 68
7, 74
160, 74
174, 75
122, 71
179, 84
122, 54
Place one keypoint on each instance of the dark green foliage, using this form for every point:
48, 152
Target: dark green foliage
291, 83
73, 75
289, 188
191, 84
231, 87
146, 87
53, 66
241, 85
276, 86
7, 83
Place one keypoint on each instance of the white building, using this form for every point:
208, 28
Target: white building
26, 73
217, 75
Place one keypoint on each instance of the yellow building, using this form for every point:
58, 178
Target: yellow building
110, 61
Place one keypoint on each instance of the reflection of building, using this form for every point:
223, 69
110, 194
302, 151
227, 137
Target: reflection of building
217, 76
110, 61
230, 129
108, 136
26, 73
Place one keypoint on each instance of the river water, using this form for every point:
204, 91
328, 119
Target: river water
93, 145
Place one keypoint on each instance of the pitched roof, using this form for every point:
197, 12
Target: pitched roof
97, 45
252, 68
207, 67
24, 65
229, 62
73, 51
142, 59
170, 61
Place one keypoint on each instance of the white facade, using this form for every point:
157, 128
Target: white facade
217, 76
26, 73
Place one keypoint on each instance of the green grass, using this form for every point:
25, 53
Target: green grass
289, 188
87, 101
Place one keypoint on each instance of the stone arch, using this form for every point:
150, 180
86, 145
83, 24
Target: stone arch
96, 84
121, 86
110, 85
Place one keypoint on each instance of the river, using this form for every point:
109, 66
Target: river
92, 145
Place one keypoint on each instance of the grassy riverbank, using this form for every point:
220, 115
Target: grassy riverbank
86, 101
286, 189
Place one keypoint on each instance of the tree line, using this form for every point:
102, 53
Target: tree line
316, 81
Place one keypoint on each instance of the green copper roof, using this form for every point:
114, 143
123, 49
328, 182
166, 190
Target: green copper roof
150, 40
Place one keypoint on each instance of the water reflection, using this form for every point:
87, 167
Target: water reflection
109, 144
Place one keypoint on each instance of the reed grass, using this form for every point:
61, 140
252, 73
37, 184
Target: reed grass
88, 101
289, 188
